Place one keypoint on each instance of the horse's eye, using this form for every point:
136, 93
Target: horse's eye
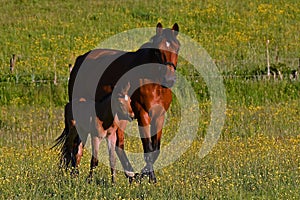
168, 44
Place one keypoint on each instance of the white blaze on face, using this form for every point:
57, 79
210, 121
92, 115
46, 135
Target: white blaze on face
126, 97
168, 44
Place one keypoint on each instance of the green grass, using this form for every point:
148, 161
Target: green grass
259, 167
257, 155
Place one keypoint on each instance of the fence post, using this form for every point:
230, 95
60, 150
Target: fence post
55, 77
268, 58
277, 55
298, 70
12, 63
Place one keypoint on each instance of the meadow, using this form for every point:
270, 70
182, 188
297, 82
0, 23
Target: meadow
257, 155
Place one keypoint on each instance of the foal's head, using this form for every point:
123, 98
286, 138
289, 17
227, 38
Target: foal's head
121, 104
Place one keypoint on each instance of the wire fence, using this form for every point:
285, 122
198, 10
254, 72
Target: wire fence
32, 106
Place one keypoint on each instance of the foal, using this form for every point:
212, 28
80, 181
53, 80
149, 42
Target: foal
83, 116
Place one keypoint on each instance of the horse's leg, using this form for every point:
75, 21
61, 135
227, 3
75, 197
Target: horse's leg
151, 138
74, 146
145, 134
111, 143
70, 146
77, 153
128, 169
156, 133
148, 149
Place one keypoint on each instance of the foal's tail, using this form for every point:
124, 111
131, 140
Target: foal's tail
66, 142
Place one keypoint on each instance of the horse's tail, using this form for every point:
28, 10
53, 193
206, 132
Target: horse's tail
66, 142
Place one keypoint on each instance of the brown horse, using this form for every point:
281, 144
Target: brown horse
150, 87
101, 124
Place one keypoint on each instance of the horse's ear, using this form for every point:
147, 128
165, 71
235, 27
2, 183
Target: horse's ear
175, 28
159, 28
125, 90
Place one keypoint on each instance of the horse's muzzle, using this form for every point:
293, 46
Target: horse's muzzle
129, 117
169, 81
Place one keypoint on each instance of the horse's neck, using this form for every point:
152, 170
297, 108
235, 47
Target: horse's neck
144, 56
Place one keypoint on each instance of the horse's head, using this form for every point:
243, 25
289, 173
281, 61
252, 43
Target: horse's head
166, 48
121, 104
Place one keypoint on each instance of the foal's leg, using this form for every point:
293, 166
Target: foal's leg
128, 169
97, 135
111, 143
95, 149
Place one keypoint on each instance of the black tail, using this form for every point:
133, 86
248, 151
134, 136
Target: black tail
67, 142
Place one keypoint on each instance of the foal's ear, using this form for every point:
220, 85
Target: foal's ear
175, 28
126, 89
159, 28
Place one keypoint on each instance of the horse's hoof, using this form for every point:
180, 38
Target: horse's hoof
150, 174
145, 172
152, 178
129, 174
135, 177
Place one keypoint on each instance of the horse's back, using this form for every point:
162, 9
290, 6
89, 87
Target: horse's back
100, 53
89, 70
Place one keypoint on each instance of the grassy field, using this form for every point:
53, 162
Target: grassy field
257, 155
